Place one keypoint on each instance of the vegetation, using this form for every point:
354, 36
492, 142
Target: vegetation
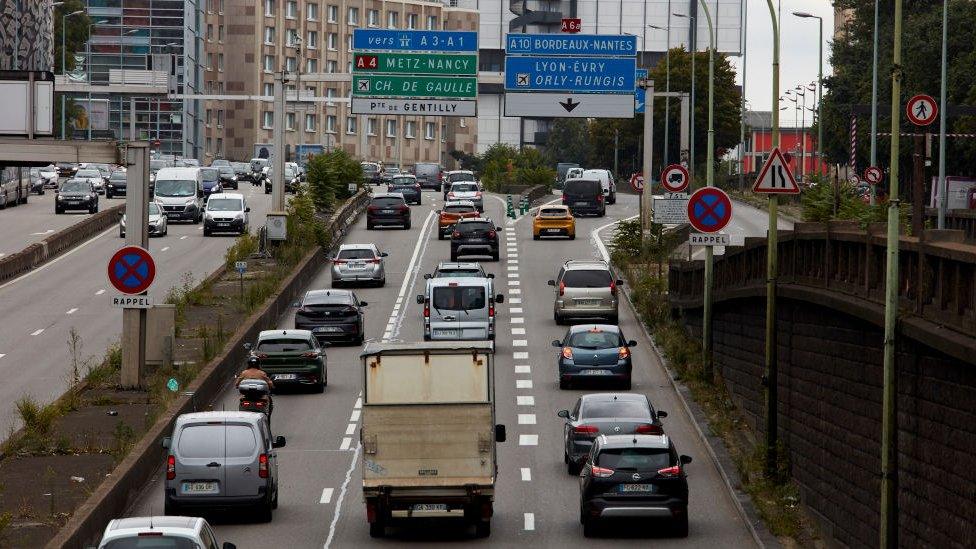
502, 165
569, 141
329, 176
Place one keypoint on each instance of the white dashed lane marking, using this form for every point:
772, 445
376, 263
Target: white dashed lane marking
354, 417
520, 356
71, 311
526, 474
37, 332
520, 343
515, 301
100, 292
515, 310
518, 320
326, 495
346, 441
523, 369
526, 419
523, 383
528, 440
525, 400
351, 428
518, 331
529, 521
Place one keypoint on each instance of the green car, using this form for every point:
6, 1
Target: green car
292, 358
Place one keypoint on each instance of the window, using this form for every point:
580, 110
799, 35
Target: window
291, 9
208, 86
331, 66
310, 91
391, 128
311, 65
210, 6
412, 20
209, 61
330, 93
220, 146
220, 33
330, 123
220, 9
220, 118
291, 37
310, 122
462, 123
220, 88
349, 67
209, 116
269, 35
349, 43
290, 121
312, 11
411, 130
351, 125
333, 41
393, 19
353, 17
372, 18
220, 62
209, 32
291, 64
268, 89
269, 6
333, 14
267, 120
431, 22
429, 130
370, 126
268, 63
312, 40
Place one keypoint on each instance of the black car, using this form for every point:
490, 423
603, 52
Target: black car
408, 187
292, 181
228, 177
67, 169
475, 236
116, 184
76, 194
584, 196
638, 477
387, 209
389, 173
332, 315
594, 352
605, 413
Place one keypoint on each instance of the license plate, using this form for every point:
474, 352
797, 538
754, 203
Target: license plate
223, 224
581, 204
645, 488
588, 302
199, 487
357, 265
553, 231
329, 329
595, 372
387, 211
428, 507
446, 332
284, 377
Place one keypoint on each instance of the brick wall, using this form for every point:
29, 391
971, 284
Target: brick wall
830, 418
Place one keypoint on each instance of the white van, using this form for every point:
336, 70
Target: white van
180, 192
459, 308
609, 184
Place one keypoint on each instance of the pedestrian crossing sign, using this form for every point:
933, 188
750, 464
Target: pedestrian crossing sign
776, 177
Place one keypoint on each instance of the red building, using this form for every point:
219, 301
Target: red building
759, 141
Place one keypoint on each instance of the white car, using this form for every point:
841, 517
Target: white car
50, 176
467, 190
155, 221
607, 181
226, 213
163, 532
94, 177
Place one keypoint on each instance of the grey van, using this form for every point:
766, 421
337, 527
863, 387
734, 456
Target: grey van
222, 460
459, 308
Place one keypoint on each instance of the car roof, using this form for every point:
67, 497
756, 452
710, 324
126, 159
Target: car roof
474, 220
659, 442
578, 328
184, 172
369, 246
613, 397
554, 207
144, 523
223, 415
463, 183
407, 175
459, 281
589, 264
388, 195
271, 334
328, 296
227, 195
458, 265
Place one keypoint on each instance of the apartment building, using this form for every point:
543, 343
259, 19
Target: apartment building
246, 42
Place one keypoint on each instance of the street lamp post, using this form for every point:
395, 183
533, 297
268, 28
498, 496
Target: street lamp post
693, 49
943, 192
742, 107
64, 72
709, 181
820, 86
802, 129
667, 83
874, 98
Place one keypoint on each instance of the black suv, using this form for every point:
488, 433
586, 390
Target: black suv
387, 209
475, 236
331, 315
584, 196
637, 477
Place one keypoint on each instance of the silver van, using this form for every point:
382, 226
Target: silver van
180, 192
221, 460
459, 308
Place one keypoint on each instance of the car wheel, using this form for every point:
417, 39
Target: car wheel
680, 526
369, 226
381, 283
206, 231
358, 340
121, 234
440, 235
535, 236
166, 230
267, 190
557, 318
613, 319
377, 529
320, 387
108, 195
589, 528
564, 385
482, 528
407, 226
572, 236
454, 256
626, 384
573, 468
57, 211
93, 210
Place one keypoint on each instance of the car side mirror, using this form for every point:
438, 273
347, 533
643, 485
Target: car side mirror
632, 343
498, 228
437, 211
166, 442
204, 207
500, 434
427, 276
247, 346
228, 545
363, 304
620, 282
557, 343
499, 298
685, 460
491, 275
279, 442
296, 304
247, 209
384, 254
662, 414
563, 414
420, 300
551, 282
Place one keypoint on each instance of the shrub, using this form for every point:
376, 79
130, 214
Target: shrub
329, 176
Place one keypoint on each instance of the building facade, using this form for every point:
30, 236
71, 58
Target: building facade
799, 143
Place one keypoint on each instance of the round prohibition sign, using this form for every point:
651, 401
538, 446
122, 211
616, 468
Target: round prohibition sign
675, 178
132, 270
921, 109
709, 210
637, 182
873, 175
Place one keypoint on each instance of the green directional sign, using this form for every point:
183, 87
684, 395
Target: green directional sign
435, 87
416, 63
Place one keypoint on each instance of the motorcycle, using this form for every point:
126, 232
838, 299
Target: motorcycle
255, 397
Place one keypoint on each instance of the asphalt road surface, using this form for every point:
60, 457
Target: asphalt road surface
25, 224
536, 500
72, 291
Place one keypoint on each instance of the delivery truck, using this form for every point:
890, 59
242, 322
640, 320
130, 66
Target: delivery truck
428, 433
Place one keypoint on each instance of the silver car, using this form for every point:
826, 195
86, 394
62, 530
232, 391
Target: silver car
585, 289
155, 221
358, 263
163, 531
467, 191
94, 177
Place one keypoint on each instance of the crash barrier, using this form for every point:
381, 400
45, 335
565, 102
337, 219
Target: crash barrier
534, 193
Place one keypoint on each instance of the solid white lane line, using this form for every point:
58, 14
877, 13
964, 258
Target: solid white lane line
530, 521
528, 440
523, 369
342, 494
520, 343
526, 419
49, 231
413, 269
59, 258
518, 331
350, 429
515, 310
346, 442
595, 236
354, 417
525, 400
37, 332
523, 383
326, 495
359, 403
520, 356
526, 474
100, 292
518, 320
164, 248
71, 311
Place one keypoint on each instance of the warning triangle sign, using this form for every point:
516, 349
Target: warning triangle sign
776, 176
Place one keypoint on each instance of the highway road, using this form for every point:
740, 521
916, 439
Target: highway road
28, 223
72, 291
536, 500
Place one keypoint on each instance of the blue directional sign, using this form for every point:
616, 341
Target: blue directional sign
571, 44
639, 93
415, 40
577, 74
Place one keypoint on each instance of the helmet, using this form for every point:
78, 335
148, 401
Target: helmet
253, 362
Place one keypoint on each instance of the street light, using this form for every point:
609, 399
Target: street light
802, 129
667, 85
819, 19
63, 71
694, 40
709, 181
943, 192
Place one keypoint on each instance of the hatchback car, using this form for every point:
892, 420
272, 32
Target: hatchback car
408, 186
76, 194
452, 212
48, 176
476, 236
389, 173
585, 289
116, 184
228, 177
584, 197
332, 315
634, 477
221, 460
387, 209
291, 358
156, 223
160, 533
553, 221
467, 191
361, 263
226, 213
211, 181
594, 352
605, 413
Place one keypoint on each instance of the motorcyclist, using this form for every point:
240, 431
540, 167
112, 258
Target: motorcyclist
254, 371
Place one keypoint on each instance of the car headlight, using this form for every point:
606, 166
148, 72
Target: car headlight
60, 198
239, 216
189, 201
233, 178
122, 222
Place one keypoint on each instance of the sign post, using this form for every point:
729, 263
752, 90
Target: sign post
137, 238
241, 268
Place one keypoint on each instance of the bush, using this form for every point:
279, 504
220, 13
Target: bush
329, 176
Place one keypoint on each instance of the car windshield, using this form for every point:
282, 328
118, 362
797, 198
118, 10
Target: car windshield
117, 176
587, 279
210, 174
356, 254
284, 345
386, 201
224, 205
370, 168
459, 273
459, 298
226, 170
582, 186
176, 187
604, 409
392, 171
473, 227
404, 181
594, 339
461, 177
217, 163
87, 172
289, 172
464, 208
152, 542
154, 209
464, 188
75, 186
641, 459
553, 212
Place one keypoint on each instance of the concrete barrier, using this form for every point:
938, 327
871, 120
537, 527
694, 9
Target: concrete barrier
115, 494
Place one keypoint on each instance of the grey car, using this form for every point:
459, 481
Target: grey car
585, 289
221, 460
598, 414
358, 263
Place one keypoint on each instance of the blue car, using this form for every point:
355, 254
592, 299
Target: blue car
595, 353
211, 181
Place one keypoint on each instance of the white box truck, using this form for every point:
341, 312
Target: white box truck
428, 433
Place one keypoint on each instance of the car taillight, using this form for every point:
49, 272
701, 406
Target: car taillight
613, 288
404, 208
491, 234
477, 194
564, 199
491, 310
246, 403
456, 234
258, 403
372, 208
263, 466
450, 195
586, 429
648, 429
375, 260
170, 468
599, 197
339, 261
310, 354
623, 353
426, 310
567, 353
602, 472
562, 288
304, 311
670, 471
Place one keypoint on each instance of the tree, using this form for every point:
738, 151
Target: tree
568, 141
329, 176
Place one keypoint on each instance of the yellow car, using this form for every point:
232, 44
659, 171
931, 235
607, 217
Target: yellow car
553, 221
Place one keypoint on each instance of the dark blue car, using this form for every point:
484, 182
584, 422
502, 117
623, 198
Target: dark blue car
594, 352
211, 181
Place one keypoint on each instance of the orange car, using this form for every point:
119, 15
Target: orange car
553, 221
453, 211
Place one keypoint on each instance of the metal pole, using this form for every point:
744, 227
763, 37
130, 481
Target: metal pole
616, 144
647, 215
772, 243
803, 135
63, 75
874, 100
943, 192
694, 50
742, 107
889, 415
136, 234
132, 118
820, 98
709, 181
667, 88
278, 133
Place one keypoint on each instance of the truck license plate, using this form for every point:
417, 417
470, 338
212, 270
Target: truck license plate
428, 507
451, 333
